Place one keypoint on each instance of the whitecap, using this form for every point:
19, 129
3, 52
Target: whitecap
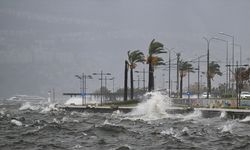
78, 146
28, 106
228, 127
16, 122
223, 114
56, 121
51, 107
247, 119
168, 132
192, 116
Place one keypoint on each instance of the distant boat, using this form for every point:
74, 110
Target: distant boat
26, 98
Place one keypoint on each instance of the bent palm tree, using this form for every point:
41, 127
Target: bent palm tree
214, 69
184, 68
154, 49
134, 57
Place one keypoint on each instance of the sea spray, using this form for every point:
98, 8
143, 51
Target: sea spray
79, 101
192, 116
228, 126
152, 108
74, 101
28, 106
223, 114
247, 119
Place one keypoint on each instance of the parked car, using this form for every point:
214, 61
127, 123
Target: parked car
244, 94
204, 95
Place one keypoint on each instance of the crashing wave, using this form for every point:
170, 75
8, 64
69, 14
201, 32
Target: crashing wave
28, 106
153, 108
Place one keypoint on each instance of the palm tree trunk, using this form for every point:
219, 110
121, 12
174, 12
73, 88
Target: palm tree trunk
126, 82
209, 85
150, 78
131, 84
181, 84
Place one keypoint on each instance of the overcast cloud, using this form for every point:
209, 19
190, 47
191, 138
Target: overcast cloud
44, 43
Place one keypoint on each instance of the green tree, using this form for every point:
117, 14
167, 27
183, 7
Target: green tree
184, 68
134, 57
214, 69
155, 48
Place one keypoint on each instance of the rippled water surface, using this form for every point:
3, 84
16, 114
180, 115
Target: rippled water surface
42, 126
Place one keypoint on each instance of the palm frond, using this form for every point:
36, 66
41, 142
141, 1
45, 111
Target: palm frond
156, 48
135, 57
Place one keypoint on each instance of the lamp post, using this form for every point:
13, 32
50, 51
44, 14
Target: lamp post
113, 79
85, 86
208, 43
240, 52
227, 70
143, 72
228, 35
101, 74
199, 73
81, 85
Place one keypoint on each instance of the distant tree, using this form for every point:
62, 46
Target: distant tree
242, 77
214, 69
134, 57
155, 48
184, 68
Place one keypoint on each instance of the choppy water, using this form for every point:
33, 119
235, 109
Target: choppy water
42, 126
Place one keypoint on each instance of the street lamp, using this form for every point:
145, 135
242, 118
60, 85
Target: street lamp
101, 74
240, 52
83, 85
199, 73
144, 87
227, 70
228, 35
113, 79
208, 43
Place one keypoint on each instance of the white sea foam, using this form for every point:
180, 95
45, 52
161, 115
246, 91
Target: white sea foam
168, 132
192, 116
51, 107
228, 127
78, 146
153, 108
247, 119
223, 114
16, 122
56, 121
28, 106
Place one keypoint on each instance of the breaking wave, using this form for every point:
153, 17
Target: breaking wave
152, 108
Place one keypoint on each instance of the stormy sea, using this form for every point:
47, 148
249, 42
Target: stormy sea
33, 125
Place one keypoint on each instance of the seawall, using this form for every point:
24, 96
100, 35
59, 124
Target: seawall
206, 112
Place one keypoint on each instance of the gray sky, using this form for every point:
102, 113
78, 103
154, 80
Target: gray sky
44, 43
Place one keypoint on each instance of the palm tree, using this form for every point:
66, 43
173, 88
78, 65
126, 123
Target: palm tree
184, 68
214, 69
134, 57
126, 81
154, 49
